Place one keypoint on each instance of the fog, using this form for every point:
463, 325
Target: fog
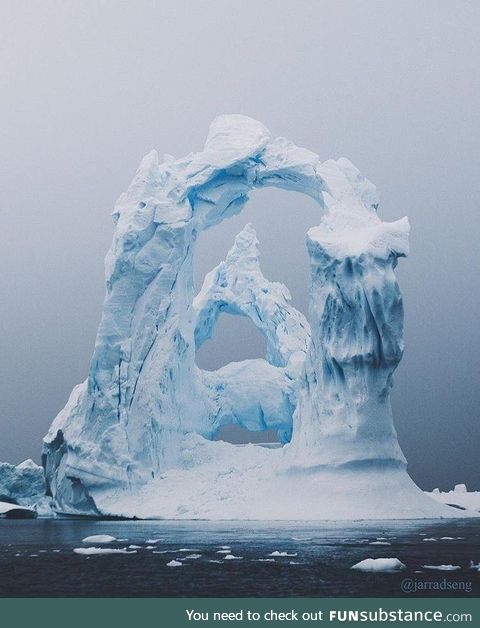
87, 88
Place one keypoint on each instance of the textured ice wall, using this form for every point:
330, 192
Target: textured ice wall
126, 423
356, 313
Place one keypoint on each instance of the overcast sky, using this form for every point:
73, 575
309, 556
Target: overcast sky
87, 88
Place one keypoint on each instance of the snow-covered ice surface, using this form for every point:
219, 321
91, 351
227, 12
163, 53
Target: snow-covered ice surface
459, 498
135, 439
7, 508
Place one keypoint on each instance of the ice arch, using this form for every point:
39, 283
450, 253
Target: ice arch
140, 418
256, 394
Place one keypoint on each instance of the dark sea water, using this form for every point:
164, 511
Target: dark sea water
37, 559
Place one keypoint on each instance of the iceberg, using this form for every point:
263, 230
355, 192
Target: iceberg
135, 439
99, 538
22, 491
387, 565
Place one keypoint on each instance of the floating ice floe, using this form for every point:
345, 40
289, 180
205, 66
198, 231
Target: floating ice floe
92, 551
442, 567
379, 543
430, 539
224, 551
163, 551
301, 538
174, 563
193, 556
100, 538
277, 553
380, 564
232, 557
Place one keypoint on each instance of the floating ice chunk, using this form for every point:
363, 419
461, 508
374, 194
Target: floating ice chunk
277, 553
379, 543
380, 564
474, 566
174, 563
442, 567
193, 556
150, 547
431, 539
186, 549
232, 557
264, 560
218, 562
100, 538
447, 538
225, 547
301, 538
163, 551
294, 562
224, 551
91, 551
135, 547
152, 541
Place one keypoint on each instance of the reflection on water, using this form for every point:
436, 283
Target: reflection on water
274, 559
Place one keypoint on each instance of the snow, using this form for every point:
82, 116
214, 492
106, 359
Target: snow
99, 538
380, 564
135, 438
93, 551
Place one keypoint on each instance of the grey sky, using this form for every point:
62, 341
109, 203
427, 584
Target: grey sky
87, 88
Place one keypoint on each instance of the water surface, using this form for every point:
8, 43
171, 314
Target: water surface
37, 558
